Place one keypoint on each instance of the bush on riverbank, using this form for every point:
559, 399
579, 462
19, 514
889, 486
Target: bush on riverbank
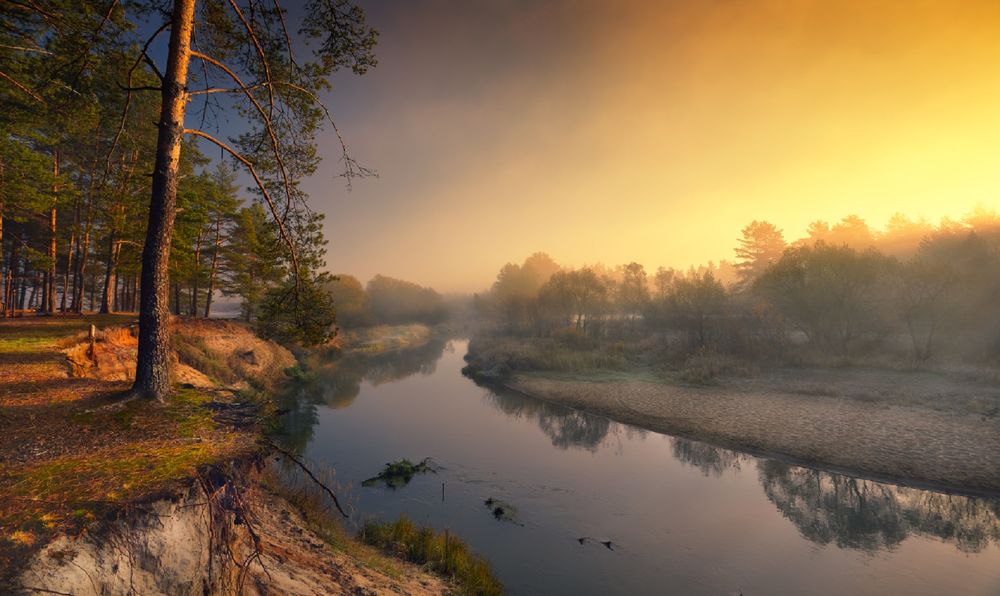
440, 552
496, 359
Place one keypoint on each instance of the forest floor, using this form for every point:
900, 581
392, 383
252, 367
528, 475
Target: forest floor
66, 457
72, 456
917, 428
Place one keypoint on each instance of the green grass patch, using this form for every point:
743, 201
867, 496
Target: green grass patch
440, 552
187, 410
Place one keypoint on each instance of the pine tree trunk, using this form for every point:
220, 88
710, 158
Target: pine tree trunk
49, 306
3, 298
93, 292
82, 255
197, 273
110, 280
69, 267
152, 373
215, 265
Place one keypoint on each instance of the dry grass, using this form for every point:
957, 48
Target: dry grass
438, 551
68, 454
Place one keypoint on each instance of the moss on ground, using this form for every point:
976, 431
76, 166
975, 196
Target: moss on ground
71, 456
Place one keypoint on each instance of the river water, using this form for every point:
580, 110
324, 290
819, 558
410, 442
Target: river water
591, 506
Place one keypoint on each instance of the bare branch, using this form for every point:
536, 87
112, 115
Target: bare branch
312, 476
143, 88
263, 189
151, 64
26, 49
128, 100
268, 122
353, 169
260, 52
284, 29
23, 88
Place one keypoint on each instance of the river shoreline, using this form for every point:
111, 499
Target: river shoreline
906, 445
162, 498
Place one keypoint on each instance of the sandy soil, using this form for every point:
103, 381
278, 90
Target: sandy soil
175, 549
872, 423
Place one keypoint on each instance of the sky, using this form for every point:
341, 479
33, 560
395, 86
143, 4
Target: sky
651, 131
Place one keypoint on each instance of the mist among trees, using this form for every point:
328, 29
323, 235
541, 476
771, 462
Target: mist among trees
913, 291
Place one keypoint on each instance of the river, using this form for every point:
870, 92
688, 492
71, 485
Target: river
591, 506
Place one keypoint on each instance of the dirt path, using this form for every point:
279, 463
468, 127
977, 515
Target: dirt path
884, 440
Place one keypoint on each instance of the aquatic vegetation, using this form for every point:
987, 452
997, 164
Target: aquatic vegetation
439, 551
502, 510
398, 474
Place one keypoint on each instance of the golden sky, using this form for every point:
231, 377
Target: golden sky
653, 131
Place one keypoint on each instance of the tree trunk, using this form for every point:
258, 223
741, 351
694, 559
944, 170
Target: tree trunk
69, 267
197, 273
110, 280
21, 287
82, 255
3, 298
50, 287
134, 284
215, 265
34, 291
152, 372
91, 303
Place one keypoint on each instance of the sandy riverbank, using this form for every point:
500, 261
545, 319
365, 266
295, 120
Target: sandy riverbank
873, 423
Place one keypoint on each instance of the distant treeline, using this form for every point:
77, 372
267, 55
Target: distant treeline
843, 290
384, 301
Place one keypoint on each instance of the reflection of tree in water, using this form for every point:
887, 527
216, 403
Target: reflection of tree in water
566, 427
871, 516
711, 460
337, 383
392, 366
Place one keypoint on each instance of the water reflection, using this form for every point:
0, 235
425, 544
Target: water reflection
712, 461
854, 513
826, 508
564, 426
336, 383
871, 516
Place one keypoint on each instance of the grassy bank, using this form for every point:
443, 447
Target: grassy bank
76, 460
72, 454
497, 359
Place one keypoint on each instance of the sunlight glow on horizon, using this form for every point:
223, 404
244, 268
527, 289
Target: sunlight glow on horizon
654, 132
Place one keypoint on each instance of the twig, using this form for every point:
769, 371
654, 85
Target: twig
309, 473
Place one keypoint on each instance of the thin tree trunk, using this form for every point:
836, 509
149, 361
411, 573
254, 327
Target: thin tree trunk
22, 282
93, 292
110, 279
82, 256
69, 267
34, 292
134, 284
152, 373
215, 265
4, 300
197, 272
50, 289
